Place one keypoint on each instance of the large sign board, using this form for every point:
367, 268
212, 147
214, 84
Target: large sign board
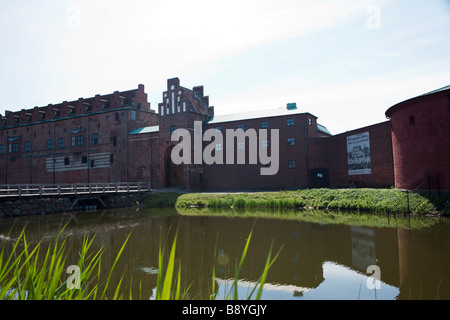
358, 154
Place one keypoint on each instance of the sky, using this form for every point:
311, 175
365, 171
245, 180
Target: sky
346, 62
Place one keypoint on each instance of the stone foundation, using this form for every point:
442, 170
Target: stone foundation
39, 206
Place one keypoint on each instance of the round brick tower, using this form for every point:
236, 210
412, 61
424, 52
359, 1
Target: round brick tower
421, 141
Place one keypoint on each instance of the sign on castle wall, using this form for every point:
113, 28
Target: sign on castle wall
358, 154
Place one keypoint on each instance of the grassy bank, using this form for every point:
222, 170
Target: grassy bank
370, 200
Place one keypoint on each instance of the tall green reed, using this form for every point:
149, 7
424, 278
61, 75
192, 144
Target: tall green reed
34, 273
169, 279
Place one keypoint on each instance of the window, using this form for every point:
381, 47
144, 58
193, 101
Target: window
240, 126
114, 141
2, 149
291, 141
14, 147
95, 138
84, 159
309, 121
92, 163
66, 161
60, 143
111, 158
27, 146
73, 141
50, 144
290, 122
411, 120
264, 125
79, 140
265, 143
291, 164
133, 115
117, 116
172, 129
218, 147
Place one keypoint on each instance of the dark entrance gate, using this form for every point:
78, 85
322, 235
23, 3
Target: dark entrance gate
174, 175
319, 178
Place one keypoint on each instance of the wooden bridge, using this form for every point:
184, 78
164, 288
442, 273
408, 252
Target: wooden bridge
63, 190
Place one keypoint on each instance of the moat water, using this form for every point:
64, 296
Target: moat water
396, 258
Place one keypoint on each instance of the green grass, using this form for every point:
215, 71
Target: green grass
323, 217
39, 272
169, 279
361, 200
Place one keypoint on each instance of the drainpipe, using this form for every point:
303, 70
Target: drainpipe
30, 162
88, 138
306, 150
126, 141
7, 156
54, 151
448, 102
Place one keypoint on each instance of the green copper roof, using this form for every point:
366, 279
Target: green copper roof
323, 129
145, 130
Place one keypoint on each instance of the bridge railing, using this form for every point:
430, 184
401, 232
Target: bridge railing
33, 190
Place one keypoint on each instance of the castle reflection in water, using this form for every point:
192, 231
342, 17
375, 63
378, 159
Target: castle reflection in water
414, 263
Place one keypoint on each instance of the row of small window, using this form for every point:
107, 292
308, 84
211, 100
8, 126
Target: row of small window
264, 144
264, 125
84, 159
76, 141
241, 145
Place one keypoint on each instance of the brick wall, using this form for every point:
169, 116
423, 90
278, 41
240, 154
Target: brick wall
292, 170
421, 140
73, 142
331, 153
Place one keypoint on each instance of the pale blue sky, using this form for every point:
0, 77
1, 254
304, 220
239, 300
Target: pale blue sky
345, 61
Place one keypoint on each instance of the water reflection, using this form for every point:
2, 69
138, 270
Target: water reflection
318, 261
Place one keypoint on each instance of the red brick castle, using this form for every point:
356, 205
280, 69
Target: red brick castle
119, 138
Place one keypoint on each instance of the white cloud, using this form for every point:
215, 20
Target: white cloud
157, 38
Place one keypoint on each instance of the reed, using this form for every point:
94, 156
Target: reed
34, 273
169, 279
